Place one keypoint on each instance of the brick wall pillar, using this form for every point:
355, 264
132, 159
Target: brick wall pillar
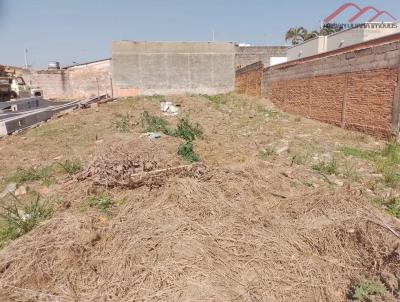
396, 106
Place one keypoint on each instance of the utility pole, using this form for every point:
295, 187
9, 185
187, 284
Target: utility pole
213, 35
26, 59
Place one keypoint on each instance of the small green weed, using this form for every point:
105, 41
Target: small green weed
186, 151
389, 170
19, 219
349, 172
152, 123
299, 159
185, 129
363, 154
23, 175
385, 161
157, 97
392, 152
266, 153
101, 202
391, 206
367, 288
218, 99
326, 167
71, 167
269, 112
122, 123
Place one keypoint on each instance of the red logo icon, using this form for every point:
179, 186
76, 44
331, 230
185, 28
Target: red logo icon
361, 11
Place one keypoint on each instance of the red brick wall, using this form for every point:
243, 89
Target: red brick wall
363, 104
357, 89
369, 102
248, 79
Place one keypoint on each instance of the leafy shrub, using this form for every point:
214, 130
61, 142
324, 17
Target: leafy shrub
186, 151
367, 288
151, 123
187, 131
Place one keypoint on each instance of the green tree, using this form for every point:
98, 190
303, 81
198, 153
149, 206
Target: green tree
299, 35
295, 35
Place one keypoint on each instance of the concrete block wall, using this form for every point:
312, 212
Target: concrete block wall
248, 79
54, 83
357, 89
247, 55
82, 81
90, 80
173, 67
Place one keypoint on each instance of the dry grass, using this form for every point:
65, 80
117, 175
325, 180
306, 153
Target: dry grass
242, 227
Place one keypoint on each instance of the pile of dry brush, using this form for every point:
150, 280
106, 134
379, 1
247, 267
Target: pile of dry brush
218, 237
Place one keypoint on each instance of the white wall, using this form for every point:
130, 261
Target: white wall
309, 48
358, 35
277, 60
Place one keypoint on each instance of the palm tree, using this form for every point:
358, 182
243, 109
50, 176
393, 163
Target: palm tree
327, 30
310, 35
295, 35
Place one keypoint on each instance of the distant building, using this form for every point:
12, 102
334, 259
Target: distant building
342, 39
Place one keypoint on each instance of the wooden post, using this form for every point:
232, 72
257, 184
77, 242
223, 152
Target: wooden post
98, 88
395, 127
346, 86
112, 88
309, 98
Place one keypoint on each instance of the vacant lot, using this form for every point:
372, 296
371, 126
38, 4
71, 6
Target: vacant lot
236, 201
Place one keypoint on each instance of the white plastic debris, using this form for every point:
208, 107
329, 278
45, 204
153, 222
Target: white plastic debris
168, 108
151, 135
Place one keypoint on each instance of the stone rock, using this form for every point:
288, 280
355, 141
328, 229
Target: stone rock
10, 188
21, 191
282, 149
338, 182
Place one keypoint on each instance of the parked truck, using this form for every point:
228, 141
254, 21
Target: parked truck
13, 87
5, 89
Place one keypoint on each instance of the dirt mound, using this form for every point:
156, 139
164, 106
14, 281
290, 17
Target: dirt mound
219, 237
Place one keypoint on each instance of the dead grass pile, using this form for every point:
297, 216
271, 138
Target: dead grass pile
121, 167
221, 237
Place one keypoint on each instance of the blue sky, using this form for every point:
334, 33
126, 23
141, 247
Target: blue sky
82, 30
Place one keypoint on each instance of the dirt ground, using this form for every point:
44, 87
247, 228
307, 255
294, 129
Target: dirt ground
279, 208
